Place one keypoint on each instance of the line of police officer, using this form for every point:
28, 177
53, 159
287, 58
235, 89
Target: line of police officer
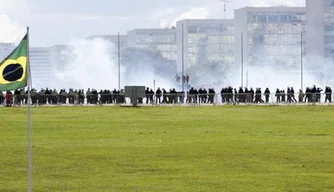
161, 96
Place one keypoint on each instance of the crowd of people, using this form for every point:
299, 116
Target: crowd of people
162, 96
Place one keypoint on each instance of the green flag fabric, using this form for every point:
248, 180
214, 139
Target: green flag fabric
13, 69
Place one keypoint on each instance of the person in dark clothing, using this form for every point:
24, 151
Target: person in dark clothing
164, 96
236, 96
229, 94
17, 97
293, 98
328, 92
241, 95
308, 95
211, 95
267, 94
314, 94
283, 96
223, 95
278, 96
288, 95
258, 95
301, 96
158, 93
151, 95
251, 95
147, 94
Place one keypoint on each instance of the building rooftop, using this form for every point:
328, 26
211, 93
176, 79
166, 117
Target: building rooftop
273, 9
157, 30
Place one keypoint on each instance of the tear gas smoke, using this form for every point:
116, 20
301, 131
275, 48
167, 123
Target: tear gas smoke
268, 76
95, 65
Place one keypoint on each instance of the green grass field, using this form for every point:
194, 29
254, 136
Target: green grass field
222, 148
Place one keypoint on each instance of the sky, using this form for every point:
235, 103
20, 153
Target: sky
54, 22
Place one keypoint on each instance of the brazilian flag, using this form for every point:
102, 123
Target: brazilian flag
13, 69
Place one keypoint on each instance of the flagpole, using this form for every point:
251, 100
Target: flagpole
119, 62
29, 118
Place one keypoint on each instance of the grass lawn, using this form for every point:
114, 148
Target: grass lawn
221, 148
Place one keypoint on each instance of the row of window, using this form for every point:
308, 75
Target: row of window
275, 17
211, 48
284, 39
329, 16
221, 39
229, 28
328, 3
329, 39
275, 28
329, 27
161, 47
156, 38
329, 52
272, 50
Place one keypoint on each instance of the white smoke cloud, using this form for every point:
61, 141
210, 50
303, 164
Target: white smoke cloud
95, 65
10, 30
92, 67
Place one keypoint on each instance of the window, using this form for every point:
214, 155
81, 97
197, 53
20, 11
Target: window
329, 39
192, 29
284, 19
272, 18
329, 27
251, 18
262, 18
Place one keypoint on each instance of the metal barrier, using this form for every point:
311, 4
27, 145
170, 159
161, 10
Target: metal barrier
171, 99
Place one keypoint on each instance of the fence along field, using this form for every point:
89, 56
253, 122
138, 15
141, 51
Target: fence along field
222, 148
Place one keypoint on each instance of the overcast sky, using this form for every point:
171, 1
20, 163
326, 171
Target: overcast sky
58, 21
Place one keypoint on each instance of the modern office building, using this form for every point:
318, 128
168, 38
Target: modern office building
162, 41
270, 35
320, 28
41, 67
201, 42
6, 49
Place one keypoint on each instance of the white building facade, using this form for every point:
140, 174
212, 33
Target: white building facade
320, 28
201, 42
270, 35
41, 67
162, 41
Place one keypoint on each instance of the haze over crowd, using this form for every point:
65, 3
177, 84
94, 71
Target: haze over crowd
93, 66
